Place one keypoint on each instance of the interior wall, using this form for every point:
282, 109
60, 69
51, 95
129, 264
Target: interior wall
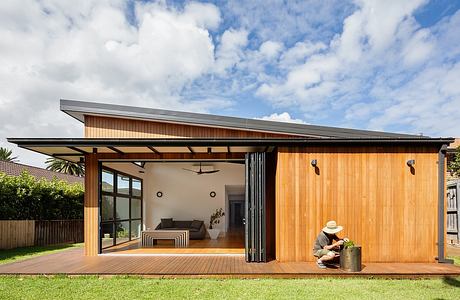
387, 207
185, 194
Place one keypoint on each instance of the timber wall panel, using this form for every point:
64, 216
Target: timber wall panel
105, 127
16, 233
91, 206
383, 206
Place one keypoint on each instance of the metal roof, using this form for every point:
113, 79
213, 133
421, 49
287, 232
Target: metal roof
78, 109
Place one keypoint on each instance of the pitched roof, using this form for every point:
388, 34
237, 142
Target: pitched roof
78, 109
15, 169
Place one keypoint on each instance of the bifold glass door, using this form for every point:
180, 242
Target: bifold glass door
255, 227
120, 208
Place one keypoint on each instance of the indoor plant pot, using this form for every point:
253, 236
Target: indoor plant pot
214, 220
213, 233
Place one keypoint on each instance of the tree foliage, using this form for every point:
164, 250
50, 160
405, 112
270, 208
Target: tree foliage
26, 198
454, 165
7, 155
63, 166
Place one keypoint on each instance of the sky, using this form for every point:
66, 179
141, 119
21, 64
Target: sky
377, 65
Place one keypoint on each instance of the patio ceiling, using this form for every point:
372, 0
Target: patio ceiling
74, 149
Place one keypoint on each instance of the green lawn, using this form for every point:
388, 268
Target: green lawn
86, 287
130, 287
7, 256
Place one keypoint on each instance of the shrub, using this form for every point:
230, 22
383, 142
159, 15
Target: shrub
26, 198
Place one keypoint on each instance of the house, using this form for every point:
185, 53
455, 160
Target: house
15, 169
278, 183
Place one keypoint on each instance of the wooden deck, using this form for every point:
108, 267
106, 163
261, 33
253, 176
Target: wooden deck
73, 262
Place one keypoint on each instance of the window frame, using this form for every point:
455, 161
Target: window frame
116, 195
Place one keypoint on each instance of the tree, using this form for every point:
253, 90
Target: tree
6, 155
454, 165
63, 166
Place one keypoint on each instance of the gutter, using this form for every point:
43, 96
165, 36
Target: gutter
441, 197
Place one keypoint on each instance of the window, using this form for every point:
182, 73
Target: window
120, 208
136, 208
107, 181
107, 208
123, 184
137, 187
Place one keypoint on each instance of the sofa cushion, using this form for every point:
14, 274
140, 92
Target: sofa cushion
167, 223
196, 224
182, 224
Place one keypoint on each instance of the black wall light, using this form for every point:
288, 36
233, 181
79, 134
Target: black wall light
314, 162
411, 162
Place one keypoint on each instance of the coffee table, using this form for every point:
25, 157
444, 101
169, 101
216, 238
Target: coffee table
149, 237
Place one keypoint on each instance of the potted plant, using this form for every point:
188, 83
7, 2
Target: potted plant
350, 257
214, 220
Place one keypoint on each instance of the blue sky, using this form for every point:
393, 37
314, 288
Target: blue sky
382, 65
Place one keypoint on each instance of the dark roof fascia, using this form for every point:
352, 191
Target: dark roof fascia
77, 110
89, 142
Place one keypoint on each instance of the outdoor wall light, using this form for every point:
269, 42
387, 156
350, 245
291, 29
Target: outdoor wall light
314, 162
411, 162
159, 194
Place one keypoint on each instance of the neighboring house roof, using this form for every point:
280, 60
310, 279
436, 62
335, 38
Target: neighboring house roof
78, 109
453, 146
15, 169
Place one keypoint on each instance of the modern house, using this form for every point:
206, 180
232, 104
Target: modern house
278, 182
15, 169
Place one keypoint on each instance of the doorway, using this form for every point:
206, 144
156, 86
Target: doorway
236, 214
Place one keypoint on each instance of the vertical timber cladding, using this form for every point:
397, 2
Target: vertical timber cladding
91, 207
106, 127
383, 204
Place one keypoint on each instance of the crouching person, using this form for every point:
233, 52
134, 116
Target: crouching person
325, 249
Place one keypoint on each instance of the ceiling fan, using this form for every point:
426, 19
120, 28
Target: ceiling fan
200, 172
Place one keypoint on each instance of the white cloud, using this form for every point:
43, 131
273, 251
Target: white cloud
270, 49
230, 51
383, 70
282, 117
54, 49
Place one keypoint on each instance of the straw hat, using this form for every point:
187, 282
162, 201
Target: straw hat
331, 227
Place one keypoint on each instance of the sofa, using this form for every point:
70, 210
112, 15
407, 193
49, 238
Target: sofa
196, 228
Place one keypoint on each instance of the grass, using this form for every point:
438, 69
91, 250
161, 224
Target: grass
17, 254
131, 287
456, 260
90, 287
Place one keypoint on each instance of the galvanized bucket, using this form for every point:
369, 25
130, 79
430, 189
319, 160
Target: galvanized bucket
350, 259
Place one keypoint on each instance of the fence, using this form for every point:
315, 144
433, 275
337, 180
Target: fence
453, 212
15, 233
23, 233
